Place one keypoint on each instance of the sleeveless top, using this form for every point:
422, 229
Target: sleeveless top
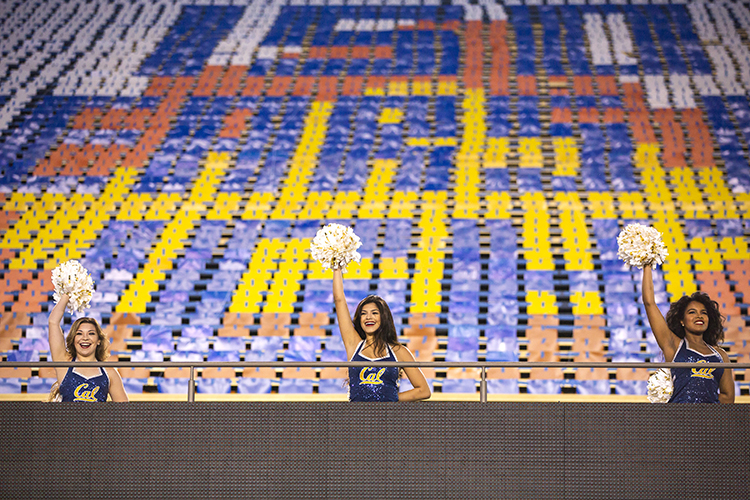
373, 383
695, 385
76, 387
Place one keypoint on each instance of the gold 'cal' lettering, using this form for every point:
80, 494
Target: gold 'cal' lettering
703, 372
371, 378
83, 395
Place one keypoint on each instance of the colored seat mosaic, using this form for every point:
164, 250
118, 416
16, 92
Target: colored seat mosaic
488, 156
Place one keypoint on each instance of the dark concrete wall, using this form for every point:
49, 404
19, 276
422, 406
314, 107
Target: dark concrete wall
390, 450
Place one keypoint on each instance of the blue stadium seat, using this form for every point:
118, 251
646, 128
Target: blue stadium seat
134, 385
540, 386
631, 387
214, 385
502, 386
592, 387
459, 386
172, 385
36, 385
10, 385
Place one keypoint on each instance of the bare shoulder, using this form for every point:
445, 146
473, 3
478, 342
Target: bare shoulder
722, 353
402, 353
112, 372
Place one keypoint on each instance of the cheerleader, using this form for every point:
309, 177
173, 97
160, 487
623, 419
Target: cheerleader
85, 343
691, 333
371, 336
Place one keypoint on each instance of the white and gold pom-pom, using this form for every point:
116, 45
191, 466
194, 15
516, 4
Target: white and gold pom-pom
639, 246
72, 279
660, 386
335, 246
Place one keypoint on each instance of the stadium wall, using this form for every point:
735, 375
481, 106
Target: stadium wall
344, 450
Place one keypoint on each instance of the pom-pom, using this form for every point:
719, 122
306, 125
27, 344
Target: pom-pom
660, 386
71, 279
640, 246
335, 246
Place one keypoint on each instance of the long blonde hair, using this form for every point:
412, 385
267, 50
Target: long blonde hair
102, 350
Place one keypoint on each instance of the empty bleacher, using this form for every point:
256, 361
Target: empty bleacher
487, 154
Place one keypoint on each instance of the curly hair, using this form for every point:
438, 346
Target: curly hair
102, 350
386, 334
714, 334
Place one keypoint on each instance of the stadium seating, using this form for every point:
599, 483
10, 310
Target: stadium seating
487, 154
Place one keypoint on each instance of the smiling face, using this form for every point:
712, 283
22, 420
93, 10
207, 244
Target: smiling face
698, 315
695, 319
86, 341
369, 318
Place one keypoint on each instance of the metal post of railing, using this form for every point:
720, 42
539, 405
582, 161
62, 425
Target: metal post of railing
191, 385
483, 386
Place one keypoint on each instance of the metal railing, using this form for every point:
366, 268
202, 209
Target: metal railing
482, 365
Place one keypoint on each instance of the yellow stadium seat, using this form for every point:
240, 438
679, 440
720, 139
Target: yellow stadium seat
679, 284
344, 205
391, 115
316, 272
163, 207
498, 205
225, 206
586, 303
447, 88
258, 207
541, 302
742, 202
317, 205
134, 207
567, 161
445, 141
602, 205
217, 159
705, 253
396, 268
631, 206
568, 201
403, 205
422, 88
723, 208
734, 248
362, 271
647, 154
530, 152
533, 200
418, 141
539, 260
19, 201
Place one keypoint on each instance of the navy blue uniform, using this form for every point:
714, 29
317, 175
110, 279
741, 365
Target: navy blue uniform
695, 385
373, 383
76, 387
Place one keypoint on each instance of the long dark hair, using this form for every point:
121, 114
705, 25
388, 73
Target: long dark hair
714, 334
386, 334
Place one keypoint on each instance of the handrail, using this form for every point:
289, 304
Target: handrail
358, 364
482, 365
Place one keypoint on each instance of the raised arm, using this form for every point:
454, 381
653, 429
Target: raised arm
348, 334
56, 337
668, 341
